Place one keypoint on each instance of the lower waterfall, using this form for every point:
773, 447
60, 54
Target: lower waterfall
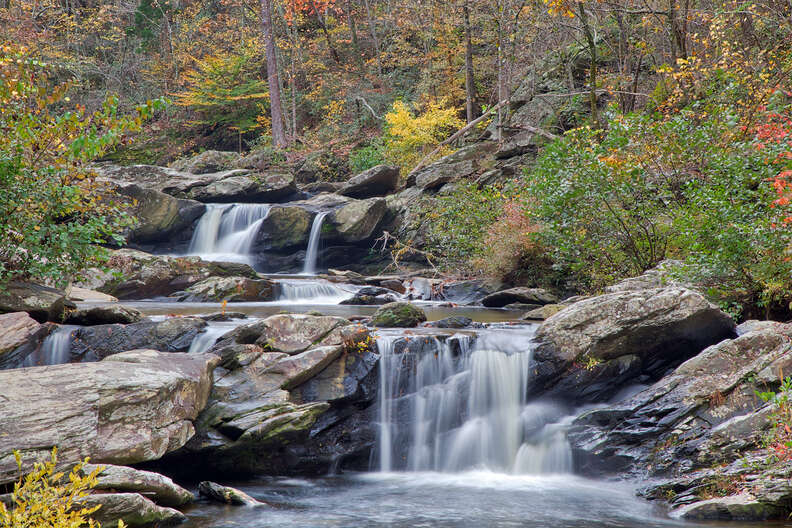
459, 404
312, 253
227, 231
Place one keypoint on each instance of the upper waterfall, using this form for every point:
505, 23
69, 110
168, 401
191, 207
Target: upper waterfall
227, 231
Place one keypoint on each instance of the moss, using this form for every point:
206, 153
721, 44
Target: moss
399, 314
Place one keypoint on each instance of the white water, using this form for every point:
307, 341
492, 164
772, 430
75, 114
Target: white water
226, 232
55, 350
463, 407
311, 254
312, 292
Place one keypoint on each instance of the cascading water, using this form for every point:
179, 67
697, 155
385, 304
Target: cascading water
227, 231
55, 350
312, 253
458, 405
314, 292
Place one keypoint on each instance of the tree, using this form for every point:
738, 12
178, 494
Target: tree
273, 77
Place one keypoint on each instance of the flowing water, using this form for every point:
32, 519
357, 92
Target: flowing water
312, 253
55, 350
226, 232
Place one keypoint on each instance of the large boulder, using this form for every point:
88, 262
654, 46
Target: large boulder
133, 509
130, 408
588, 349
287, 333
159, 488
104, 314
207, 162
254, 187
20, 335
458, 165
174, 334
286, 226
376, 181
358, 220
230, 289
519, 295
139, 275
41, 302
398, 314
161, 217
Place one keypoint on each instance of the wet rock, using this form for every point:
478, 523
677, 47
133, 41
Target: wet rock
226, 494
146, 276
224, 316
705, 413
295, 333
158, 488
357, 220
162, 217
543, 312
522, 306
371, 295
20, 335
350, 378
467, 291
251, 188
175, 334
131, 508
742, 507
299, 368
286, 226
230, 289
455, 321
398, 314
376, 181
207, 162
129, 408
394, 284
519, 295
660, 327
100, 315
41, 302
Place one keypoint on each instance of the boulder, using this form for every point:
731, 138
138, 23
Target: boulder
230, 289
376, 181
82, 294
458, 165
295, 333
161, 216
467, 291
207, 162
371, 295
321, 187
226, 494
174, 334
641, 332
357, 220
158, 488
543, 312
130, 408
135, 510
105, 314
660, 276
20, 335
454, 321
251, 188
139, 275
41, 302
519, 295
286, 226
398, 314
741, 507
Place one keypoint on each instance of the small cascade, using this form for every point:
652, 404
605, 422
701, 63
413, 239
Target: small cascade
55, 350
311, 254
227, 231
459, 404
212, 333
313, 292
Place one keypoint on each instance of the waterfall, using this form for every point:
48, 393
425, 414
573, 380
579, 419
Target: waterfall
313, 292
309, 268
227, 231
55, 350
460, 404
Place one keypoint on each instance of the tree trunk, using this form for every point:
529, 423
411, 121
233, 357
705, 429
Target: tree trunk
592, 46
373, 29
471, 106
278, 133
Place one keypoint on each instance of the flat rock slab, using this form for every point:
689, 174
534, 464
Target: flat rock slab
135, 510
158, 488
132, 407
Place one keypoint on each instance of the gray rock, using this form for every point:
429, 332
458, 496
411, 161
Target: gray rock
130, 408
41, 302
106, 314
207, 162
161, 216
659, 327
230, 289
357, 221
20, 335
543, 312
451, 322
741, 507
157, 488
174, 334
226, 494
252, 188
376, 181
134, 509
519, 295
295, 333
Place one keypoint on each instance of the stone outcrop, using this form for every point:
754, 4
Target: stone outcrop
41, 302
161, 217
104, 314
357, 221
230, 289
20, 335
131, 407
398, 314
376, 181
588, 349
174, 334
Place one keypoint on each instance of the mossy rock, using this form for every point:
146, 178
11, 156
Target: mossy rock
398, 315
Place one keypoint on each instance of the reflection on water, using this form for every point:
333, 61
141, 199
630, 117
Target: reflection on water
435, 500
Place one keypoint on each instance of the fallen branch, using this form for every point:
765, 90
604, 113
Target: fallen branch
399, 250
365, 103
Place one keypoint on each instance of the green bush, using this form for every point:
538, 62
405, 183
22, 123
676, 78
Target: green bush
364, 158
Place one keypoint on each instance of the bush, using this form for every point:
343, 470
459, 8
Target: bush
53, 213
45, 498
364, 158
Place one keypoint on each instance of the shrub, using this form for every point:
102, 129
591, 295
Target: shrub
45, 498
53, 213
366, 157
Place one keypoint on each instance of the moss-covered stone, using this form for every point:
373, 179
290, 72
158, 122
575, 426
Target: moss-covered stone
398, 314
